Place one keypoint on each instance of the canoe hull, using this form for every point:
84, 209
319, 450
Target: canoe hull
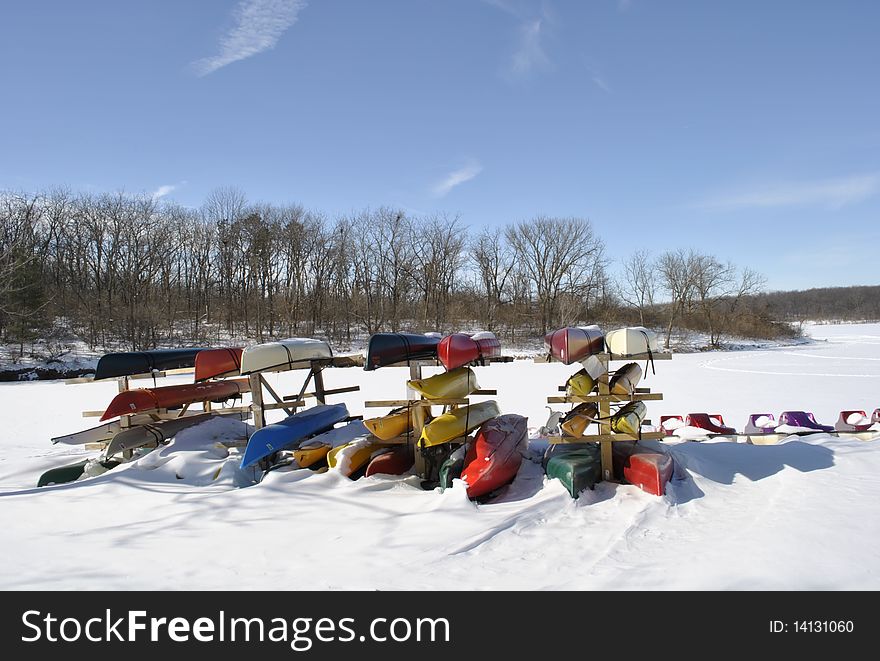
576, 421
455, 384
348, 459
292, 430
159, 432
395, 462
631, 341
704, 421
69, 473
460, 349
569, 345
625, 380
215, 363
142, 362
628, 420
397, 423
577, 465
390, 348
457, 423
283, 355
494, 457
170, 397
642, 467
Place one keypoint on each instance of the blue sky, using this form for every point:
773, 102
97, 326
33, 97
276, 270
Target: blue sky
746, 129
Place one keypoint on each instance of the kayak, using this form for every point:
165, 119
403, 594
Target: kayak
71, 472
576, 421
461, 348
454, 384
452, 467
143, 362
396, 461
351, 457
214, 363
628, 419
310, 453
580, 384
457, 423
170, 397
647, 469
625, 379
572, 344
397, 423
158, 432
631, 341
390, 348
577, 465
494, 457
291, 430
284, 355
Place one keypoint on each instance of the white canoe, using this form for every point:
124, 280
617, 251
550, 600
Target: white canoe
631, 341
284, 355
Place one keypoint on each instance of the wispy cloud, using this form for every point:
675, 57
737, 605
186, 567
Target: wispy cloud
833, 193
530, 55
601, 84
457, 177
259, 24
162, 191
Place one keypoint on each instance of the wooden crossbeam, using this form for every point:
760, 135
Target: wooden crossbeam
579, 399
605, 438
395, 403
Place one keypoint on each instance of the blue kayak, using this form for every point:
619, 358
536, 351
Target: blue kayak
291, 430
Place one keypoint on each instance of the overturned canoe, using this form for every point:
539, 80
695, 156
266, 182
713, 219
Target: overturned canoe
159, 432
628, 420
572, 344
494, 457
454, 384
462, 348
854, 420
625, 380
170, 397
284, 355
348, 459
71, 472
457, 423
631, 341
292, 430
390, 348
577, 465
215, 363
396, 461
802, 419
576, 421
310, 453
647, 469
143, 362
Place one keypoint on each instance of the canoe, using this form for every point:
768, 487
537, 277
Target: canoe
390, 348
628, 419
456, 423
625, 379
397, 423
351, 457
647, 469
159, 432
454, 384
577, 465
396, 461
632, 341
580, 384
802, 419
576, 421
170, 397
143, 362
712, 423
461, 348
70, 473
452, 467
313, 451
572, 344
291, 430
284, 355
494, 457
100, 434
214, 363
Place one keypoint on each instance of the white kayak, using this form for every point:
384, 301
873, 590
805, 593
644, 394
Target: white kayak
283, 355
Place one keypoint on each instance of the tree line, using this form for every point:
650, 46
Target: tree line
130, 271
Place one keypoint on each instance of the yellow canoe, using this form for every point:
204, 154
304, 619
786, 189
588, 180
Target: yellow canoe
457, 422
386, 427
307, 454
625, 379
348, 458
580, 384
577, 420
628, 420
453, 384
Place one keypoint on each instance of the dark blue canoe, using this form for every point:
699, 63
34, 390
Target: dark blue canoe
389, 348
291, 430
143, 362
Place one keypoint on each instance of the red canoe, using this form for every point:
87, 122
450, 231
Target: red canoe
169, 397
212, 363
570, 345
647, 469
494, 457
460, 348
396, 462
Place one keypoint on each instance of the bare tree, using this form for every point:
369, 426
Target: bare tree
638, 284
494, 263
676, 269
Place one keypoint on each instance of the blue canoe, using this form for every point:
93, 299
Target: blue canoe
291, 430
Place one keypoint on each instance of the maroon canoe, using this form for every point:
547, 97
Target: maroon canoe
493, 459
169, 397
647, 469
395, 462
572, 344
212, 363
460, 348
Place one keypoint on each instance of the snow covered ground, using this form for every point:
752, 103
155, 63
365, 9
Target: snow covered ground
804, 514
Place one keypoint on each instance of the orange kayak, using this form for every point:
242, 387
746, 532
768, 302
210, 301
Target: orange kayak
212, 363
170, 397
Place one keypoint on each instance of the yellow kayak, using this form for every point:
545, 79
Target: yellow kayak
454, 384
577, 420
308, 454
580, 384
348, 458
625, 379
396, 423
628, 420
457, 422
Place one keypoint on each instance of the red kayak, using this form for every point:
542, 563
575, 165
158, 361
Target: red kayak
169, 397
572, 344
212, 363
460, 348
645, 468
396, 462
493, 459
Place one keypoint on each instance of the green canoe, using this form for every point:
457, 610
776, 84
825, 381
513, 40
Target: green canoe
577, 465
452, 467
70, 473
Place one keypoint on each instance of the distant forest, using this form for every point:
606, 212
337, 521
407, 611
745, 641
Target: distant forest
126, 271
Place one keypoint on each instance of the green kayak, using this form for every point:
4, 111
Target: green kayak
577, 465
452, 467
70, 473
